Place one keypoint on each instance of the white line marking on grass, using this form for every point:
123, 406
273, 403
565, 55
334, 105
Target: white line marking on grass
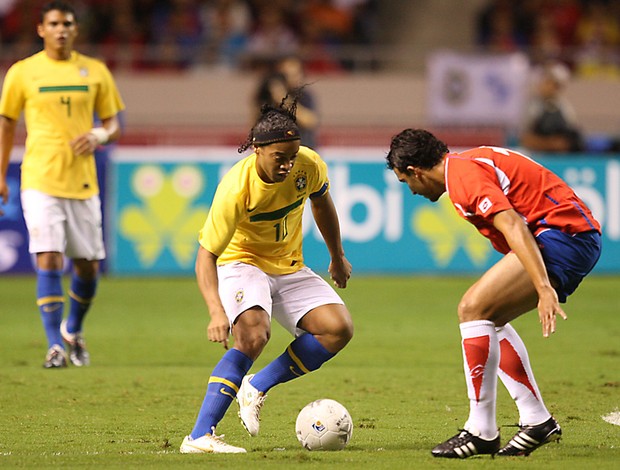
612, 418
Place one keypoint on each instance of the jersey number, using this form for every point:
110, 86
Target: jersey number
66, 101
281, 230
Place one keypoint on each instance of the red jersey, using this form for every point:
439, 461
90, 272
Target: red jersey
486, 180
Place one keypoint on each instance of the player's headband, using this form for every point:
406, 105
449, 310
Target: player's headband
271, 137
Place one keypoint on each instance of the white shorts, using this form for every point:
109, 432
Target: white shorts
69, 226
287, 297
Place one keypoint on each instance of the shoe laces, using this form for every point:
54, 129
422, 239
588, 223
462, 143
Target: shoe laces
260, 401
217, 438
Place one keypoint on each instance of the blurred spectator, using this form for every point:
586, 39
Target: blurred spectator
598, 38
178, 34
545, 42
550, 122
498, 27
292, 69
273, 35
287, 76
227, 24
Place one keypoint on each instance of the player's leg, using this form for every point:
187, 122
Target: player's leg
501, 294
310, 309
85, 247
515, 372
251, 333
245, 293
568, 259
50, 300
45, 220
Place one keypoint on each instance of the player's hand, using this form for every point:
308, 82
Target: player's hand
84, 144
219, 328
548, 308
340, 271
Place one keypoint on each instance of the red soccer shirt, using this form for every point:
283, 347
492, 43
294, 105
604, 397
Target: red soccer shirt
486, 180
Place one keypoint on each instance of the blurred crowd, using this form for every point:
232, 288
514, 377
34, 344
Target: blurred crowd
180, 34
583, 34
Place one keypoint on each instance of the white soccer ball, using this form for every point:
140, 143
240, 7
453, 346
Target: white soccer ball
324, 425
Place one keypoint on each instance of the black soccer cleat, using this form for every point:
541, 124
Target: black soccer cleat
530, 438
464, 445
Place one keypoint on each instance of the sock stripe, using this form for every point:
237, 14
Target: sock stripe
50, 300
77, 298
296, 360
222, 380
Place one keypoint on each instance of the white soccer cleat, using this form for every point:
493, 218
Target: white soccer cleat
209, 444
78, 354
250, 402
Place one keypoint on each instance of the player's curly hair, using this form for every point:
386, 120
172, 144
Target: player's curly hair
415, 147
275, 123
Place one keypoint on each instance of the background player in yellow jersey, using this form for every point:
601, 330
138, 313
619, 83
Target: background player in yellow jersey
60, 91
250, 267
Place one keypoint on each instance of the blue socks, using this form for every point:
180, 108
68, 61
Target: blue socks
50, 300
222, 389
303, 355
81, 294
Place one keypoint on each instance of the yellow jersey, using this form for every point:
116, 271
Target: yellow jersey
260, 223
59, 99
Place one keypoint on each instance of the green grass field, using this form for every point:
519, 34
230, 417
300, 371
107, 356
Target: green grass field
400, 378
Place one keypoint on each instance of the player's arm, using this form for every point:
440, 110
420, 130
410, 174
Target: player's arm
206, 276
109, 131
326, 218
523, 244
7, 134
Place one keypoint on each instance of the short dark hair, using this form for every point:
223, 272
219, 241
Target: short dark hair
57, 5
415, 147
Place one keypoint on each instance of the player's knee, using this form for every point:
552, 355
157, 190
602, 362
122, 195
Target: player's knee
346, 330
252, 342
341, 332
470, 309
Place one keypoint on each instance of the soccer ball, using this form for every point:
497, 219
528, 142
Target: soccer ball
324, 425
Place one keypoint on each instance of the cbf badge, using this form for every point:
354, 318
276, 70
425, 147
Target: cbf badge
239, 296
301, 181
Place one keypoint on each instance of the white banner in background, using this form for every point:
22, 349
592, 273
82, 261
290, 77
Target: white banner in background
477, 90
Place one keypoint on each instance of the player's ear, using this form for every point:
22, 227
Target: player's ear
40, 30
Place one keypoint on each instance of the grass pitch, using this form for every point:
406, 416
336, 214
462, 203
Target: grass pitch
400, 378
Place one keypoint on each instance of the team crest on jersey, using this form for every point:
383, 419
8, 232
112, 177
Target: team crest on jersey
301, 181
83, 71
485, 205
239, 296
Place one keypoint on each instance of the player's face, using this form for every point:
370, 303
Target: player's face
274, 162
58, 31
419, 183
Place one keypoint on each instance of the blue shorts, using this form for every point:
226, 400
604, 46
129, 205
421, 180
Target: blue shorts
569, 258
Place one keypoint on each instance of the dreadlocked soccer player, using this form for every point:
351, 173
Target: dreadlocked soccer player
250, 267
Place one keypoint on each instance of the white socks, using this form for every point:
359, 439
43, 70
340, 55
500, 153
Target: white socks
516, 374
480, 362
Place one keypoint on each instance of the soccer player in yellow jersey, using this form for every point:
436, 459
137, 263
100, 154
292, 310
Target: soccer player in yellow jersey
250, 268
60, 91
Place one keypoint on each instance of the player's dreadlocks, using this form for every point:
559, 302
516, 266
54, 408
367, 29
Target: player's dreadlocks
275, 124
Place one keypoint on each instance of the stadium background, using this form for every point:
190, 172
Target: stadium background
403, 64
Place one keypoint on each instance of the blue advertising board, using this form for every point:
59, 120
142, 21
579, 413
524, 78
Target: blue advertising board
160, 199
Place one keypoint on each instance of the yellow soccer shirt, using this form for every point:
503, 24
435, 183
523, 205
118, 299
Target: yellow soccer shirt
59, 99
259, 223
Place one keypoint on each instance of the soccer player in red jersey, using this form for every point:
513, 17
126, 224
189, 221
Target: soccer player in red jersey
551, 242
